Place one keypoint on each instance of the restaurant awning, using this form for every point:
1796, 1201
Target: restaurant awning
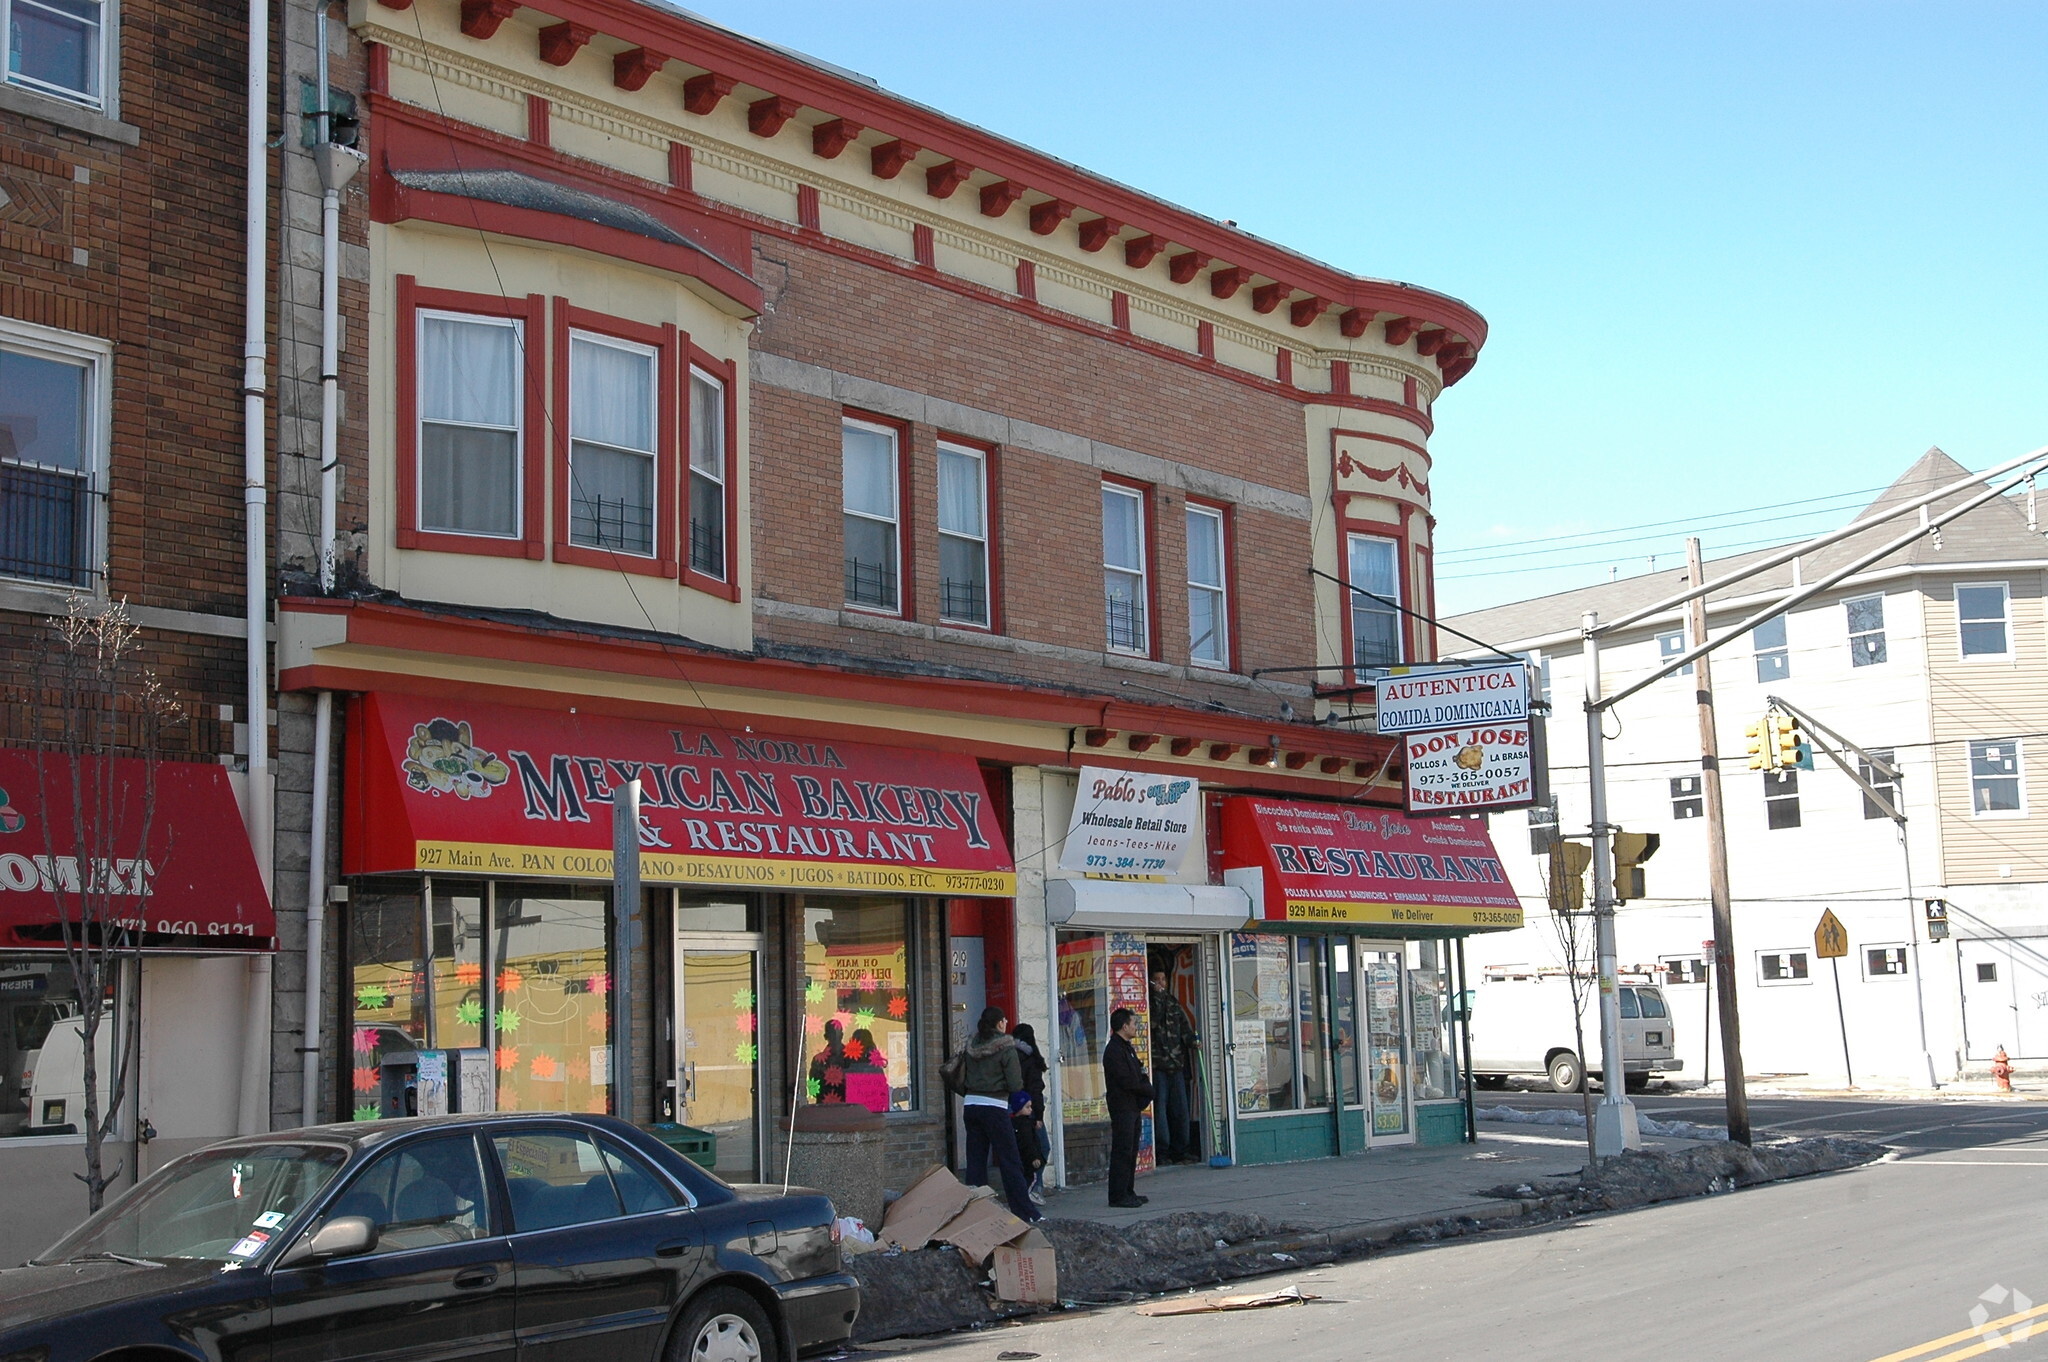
1344, 864
458, 788
177, 866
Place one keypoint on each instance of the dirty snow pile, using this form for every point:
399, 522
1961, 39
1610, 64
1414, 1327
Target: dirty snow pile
1670, 1130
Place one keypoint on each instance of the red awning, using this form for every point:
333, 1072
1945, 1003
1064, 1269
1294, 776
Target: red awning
453, 787
191, 886
1347, 864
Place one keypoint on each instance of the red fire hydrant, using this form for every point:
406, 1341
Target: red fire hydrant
2001, 1070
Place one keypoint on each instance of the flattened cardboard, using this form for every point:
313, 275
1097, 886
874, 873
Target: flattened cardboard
913, 1218
1027, 1270
980, 1228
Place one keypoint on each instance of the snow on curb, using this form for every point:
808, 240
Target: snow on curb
1557, 1116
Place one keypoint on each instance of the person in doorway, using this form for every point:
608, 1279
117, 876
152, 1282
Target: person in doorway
828, 1066
1034, 1145
1173, 1058
1129, 1093
990, 1072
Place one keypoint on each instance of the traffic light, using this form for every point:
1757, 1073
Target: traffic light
1631, 849
1761, 752
1568, 862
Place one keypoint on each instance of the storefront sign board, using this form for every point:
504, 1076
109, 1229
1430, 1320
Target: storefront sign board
192, 885
484, 789
1129, 823
1413, 700
1347, 864
1477, 766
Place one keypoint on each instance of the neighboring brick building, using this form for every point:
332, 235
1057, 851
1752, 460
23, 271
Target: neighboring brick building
727, 419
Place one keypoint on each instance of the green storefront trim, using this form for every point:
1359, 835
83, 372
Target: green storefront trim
1306, 1134
1439, 1123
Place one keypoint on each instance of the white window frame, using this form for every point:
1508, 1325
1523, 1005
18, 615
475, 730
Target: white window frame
1671, 643
517, 325
980, 541
1219, 589
1771, 781
109, 29
2019, 775
2004, 621
1881, 633
1358, 601
1699, 967
1889, 788
1696, 797
895, 523
1905, 961
721, 478
97, 356
1779, 653
1142, 574
1787, 952
653, 455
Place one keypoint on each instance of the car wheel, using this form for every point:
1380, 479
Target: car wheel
1566, 1073
1491, 1082
724, 1324
1636, 1082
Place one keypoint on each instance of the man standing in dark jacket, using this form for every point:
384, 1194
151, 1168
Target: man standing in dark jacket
1129, 1092
1173, 1045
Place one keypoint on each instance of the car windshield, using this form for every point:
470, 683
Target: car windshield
219, 1205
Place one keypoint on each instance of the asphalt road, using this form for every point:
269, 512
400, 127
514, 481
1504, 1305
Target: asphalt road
1879, 1264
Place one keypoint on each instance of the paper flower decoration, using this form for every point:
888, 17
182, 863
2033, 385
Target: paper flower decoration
366, 1080
543, 1066
366, 1113
814, 992
372, 997
812, 1088
366, 1040
469, 974
599, 1021
899, 1007
510, 980
855, 1049
845, 1020
744, 1052
864, 1018
600, 983
814, 1025
579, 1068
508, 1057
469, 1012
508, 1021
746, 1022
834, 1075
743, 1000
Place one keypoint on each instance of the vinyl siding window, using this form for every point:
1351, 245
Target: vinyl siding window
1997, 781
1866, 630
963, 536
1208, 589
1981, 619
1884, 962
57, 47
1773, 656
1783, 967
1888, 786
708, 474
1686, 798
1781, 799
1375, 624
872, 517
471, 435
1124, 569
1683, 969
614, 412
53, 449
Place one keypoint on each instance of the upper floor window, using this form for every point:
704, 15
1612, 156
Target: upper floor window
1208, 588
614, 413
872, 519
1773, 656
1686, 799
1781, 799
57, 47
1375, 566
1670, 644
1981, 619
963, 536
1885, 783
1125, 566
710, 476
1866, 630
1996, 787
52, 453
470, 428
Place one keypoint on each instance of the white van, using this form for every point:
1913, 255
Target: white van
1521, 1023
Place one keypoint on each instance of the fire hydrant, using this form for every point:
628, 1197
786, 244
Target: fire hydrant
2001, 1070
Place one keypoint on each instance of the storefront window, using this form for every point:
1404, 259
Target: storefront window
387, 993
1308, 1013
1344, 1021
552, 984
859, 1006
1262, 1021
1084, 1025
456, 966
1429, 1002
1386, 1058
42, 1048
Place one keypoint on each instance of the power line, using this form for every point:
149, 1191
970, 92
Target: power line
1665, 524
1517, 550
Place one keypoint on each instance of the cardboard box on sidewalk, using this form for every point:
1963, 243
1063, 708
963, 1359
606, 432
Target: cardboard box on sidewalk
980, 1228
1027, 1270
913, 1218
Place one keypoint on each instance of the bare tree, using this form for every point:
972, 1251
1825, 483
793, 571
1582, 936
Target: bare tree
96, 704
1573, 922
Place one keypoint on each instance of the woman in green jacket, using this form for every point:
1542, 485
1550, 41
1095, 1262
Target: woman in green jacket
991, 1070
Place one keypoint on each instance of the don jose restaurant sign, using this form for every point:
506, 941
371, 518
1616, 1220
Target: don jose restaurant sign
1465, 735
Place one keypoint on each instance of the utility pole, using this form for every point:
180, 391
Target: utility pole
1717, 863
1614, 1122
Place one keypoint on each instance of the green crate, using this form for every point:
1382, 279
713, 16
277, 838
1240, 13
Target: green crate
698, 1146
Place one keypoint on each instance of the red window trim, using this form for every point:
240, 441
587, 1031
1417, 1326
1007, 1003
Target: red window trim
1232, 661
531, 311
1145, 493
667, 344
991, 465
1397, 535
906, 540
727, 374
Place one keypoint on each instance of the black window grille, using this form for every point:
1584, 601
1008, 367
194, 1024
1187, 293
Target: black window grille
870, 584
600, 522
707, 549
1126, 623
45, 524
963, 600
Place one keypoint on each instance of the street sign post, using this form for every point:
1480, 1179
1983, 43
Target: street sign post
1831, 943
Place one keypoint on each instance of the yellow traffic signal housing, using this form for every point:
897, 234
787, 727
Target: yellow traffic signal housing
1631, 849
1568, 862
1761, 750
1786, 740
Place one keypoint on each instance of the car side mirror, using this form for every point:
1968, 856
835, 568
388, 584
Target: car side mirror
345, 1236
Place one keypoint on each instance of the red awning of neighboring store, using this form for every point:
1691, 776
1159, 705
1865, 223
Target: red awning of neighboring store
178, 865
456, 788
1310, 863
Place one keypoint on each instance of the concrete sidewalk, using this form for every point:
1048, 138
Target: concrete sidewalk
1381, 1187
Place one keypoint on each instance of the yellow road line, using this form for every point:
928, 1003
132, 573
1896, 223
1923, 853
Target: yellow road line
1964, 1336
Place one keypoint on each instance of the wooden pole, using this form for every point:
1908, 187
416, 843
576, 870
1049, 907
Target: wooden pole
1717, 863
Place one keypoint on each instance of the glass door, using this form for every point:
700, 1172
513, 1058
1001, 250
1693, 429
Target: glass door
1386, 1053
718, 1049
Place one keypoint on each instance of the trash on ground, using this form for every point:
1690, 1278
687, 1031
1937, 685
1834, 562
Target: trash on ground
1210, 1305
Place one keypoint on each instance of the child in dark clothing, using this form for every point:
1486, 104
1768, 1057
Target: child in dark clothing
1024, 1120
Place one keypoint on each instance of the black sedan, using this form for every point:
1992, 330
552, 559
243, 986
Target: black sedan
509, 1238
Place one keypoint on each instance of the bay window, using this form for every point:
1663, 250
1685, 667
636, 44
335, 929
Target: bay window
614, 414
709, 476
470, 427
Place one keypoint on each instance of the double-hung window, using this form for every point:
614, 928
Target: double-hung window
1687, 801
1773, 656
1208, 588
1375, 578
708, 475
1670, 644
53, 410
1781, 799
1885, 782
57, 47
1981, 619
471, 431
1866, 630
1996, 790
872, 518
963, 536
614, 415
1124, 569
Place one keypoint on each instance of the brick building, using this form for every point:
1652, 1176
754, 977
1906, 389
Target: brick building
854, 478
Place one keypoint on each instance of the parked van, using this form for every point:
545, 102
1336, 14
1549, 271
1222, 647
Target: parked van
1521, 1023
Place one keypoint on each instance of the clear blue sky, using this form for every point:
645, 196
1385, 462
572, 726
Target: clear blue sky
1731, 255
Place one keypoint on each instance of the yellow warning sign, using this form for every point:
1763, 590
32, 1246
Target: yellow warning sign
1830, 938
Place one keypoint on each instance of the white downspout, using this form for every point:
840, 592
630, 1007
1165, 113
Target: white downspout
316, 908
254, 1104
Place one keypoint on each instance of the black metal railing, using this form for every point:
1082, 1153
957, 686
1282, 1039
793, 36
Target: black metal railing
597, 522
45, 524
707, 548
870, 584
966, 601
1126, 616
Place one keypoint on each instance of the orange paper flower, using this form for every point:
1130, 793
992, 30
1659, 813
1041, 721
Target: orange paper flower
508, 1056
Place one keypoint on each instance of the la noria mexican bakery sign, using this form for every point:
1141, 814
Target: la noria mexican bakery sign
494, 790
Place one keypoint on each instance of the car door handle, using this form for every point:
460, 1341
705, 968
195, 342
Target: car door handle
675, 1250
475, 1277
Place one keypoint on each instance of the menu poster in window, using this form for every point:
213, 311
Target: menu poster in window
1130, 825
